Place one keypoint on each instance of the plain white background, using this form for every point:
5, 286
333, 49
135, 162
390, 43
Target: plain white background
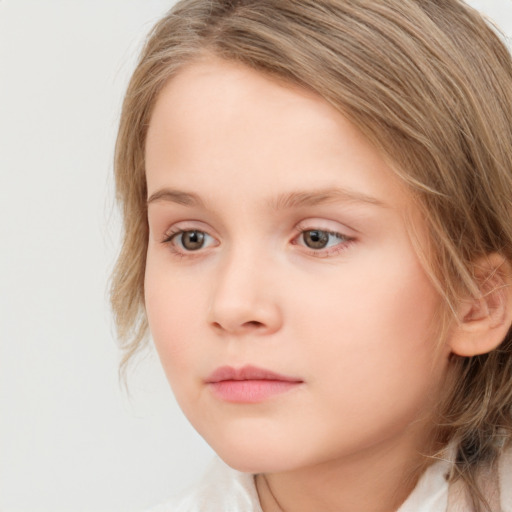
70, 439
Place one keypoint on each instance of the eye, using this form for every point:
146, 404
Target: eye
315, 239
319, 239
190, 240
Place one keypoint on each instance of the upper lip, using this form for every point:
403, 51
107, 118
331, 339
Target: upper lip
247, 373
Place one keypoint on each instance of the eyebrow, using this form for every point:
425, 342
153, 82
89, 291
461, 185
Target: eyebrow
175, 196
284, 201
323, 196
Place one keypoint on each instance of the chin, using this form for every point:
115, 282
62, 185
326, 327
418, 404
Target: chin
250, 453
254, 461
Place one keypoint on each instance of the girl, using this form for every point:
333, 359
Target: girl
318, 234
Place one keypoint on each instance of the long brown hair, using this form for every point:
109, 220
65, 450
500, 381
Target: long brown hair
429, 83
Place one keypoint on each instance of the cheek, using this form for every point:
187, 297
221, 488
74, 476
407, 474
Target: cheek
371, 353
172, 315
376, 323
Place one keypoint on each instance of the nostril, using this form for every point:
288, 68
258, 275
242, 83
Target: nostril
252, 324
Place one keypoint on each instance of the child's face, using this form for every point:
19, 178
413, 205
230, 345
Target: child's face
296, 259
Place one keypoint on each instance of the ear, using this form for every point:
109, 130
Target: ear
484, 321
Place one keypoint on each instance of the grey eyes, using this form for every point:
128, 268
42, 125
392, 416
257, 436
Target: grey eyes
315, 239
319, 239
191, 240
195, 240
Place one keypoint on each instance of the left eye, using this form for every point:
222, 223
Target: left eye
192, 240
319, 239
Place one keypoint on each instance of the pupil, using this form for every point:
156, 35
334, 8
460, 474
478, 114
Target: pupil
193, 240
316, 239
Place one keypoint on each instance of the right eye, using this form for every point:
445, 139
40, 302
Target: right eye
189, 240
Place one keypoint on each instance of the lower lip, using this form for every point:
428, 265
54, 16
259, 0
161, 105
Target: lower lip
250, 391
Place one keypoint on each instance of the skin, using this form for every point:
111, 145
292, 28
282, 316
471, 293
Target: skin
352, 321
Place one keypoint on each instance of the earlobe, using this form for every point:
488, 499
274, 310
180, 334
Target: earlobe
483, 321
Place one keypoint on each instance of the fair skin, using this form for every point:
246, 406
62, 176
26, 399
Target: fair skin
278, 239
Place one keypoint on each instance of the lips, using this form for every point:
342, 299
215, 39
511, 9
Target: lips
247, 373
249, 384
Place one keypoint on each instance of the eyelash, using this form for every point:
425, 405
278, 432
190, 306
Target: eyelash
344, 243
182, 253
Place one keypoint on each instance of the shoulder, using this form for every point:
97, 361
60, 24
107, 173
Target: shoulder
505, 477
434, 494
495, 484
221, 488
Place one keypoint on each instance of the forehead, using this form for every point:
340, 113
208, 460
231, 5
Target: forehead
211, 93
219, 122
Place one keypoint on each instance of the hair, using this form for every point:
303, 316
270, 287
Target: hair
429, 83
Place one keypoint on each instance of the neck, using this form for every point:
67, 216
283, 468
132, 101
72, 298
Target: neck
377, 479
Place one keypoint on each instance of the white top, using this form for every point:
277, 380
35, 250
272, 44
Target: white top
223, 489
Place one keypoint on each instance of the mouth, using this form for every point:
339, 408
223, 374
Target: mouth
249, 384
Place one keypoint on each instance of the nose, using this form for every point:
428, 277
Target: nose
244, 299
